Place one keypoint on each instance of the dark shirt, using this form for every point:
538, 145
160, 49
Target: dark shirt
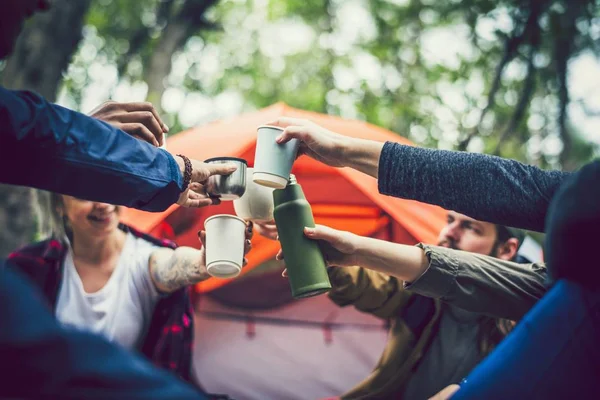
452, 354
484, 187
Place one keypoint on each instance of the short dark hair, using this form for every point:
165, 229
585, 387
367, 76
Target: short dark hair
504, 233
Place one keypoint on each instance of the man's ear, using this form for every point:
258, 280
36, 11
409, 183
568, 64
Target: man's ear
508, 250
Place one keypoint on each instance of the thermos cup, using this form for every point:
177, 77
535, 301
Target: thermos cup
227, 187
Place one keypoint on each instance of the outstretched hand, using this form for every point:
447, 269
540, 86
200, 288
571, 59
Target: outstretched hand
266, 229
338, 247
195, 195
316, 142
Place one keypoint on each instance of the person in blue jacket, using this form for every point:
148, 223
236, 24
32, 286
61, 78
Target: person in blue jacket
45, 146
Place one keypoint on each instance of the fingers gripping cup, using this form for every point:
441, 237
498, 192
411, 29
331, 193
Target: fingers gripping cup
225, 237
227, 187
272, 161
257, 202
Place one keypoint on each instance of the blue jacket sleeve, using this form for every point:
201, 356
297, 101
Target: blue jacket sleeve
552, 353
49, 147
40, 359
484, 187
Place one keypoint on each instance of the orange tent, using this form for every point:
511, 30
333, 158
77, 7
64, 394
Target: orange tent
341, 198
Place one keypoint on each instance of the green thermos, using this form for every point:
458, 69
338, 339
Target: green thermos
304, 261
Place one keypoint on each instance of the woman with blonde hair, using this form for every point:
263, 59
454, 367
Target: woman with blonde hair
102, 276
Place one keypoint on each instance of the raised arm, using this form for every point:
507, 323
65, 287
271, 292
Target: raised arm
171, 269
484, 187
369, 291
49, 147
479, 283
474, 282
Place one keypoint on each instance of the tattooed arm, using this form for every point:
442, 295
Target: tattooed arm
172, 269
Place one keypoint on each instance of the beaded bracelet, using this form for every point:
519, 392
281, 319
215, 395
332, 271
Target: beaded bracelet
187, 173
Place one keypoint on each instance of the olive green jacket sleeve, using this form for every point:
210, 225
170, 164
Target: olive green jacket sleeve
478, 283
369, 291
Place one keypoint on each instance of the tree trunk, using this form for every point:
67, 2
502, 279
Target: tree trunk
44, 48
42, 53
188, 20
159, 66
18, 223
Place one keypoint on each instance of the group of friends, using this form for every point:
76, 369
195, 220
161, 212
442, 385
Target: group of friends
101, 310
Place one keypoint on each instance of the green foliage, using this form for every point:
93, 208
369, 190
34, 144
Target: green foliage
423, 69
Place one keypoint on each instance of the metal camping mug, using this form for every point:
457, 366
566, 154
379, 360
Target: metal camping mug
227, 187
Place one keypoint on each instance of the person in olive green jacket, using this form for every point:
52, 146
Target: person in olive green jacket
433, 343
449, 305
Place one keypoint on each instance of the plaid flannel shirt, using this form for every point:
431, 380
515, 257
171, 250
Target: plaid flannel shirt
169, 340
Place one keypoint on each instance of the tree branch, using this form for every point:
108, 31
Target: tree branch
563, 49
141, 36
526, 92
40, 57
45, 47
510, 49
511, 46
177, 31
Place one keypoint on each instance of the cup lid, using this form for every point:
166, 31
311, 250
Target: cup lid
270, 127
224, 216
226, 159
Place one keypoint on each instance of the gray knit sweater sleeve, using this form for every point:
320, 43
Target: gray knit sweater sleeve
484, 187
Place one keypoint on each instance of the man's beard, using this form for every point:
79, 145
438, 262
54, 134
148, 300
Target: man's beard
451, 244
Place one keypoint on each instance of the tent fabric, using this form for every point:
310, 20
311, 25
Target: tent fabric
307, 349
252, 340
341, 197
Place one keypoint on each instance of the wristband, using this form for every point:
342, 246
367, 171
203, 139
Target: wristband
187, 173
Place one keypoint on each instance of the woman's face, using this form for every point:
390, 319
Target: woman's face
89, 217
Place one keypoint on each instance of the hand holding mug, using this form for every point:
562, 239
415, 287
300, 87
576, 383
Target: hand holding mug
315, 141
195, 195
249, 233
